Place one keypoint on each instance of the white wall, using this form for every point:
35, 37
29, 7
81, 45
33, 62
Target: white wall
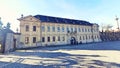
9, 42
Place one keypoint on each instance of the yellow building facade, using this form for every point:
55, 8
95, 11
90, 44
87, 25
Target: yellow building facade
40, 30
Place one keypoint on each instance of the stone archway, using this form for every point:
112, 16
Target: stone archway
73, 41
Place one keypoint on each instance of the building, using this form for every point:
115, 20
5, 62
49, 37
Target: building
6, 40
41, 30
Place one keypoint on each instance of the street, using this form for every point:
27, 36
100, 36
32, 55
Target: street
93, 55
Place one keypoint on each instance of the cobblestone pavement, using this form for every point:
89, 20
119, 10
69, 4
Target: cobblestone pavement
94, 55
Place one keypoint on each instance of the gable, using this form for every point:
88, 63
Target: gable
29, 18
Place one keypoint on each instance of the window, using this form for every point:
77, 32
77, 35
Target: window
34, 39
82, 30
75, 29
62, 29
34, 28
48, 28
79, 29
58, 29
53, 29
43, 28
80, 38
43, 39
71, 29
26, 40
27, 28
88, 30
85, 30
89, 37
53, 38
67, 29
48, 39
83, 38
95, 36
86, 37
63, 38
58, 38
91, 30
92, 37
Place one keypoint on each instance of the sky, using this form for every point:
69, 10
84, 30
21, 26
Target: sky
102, 12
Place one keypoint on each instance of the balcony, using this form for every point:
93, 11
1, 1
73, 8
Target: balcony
71, 32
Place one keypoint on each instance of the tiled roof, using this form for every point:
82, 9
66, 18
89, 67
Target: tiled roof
6, 30
51, 19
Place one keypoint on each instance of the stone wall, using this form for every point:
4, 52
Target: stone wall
9, 44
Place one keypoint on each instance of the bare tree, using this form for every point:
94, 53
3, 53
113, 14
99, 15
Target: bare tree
108, 27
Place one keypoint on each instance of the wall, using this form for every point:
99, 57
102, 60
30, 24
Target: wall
9, 42
31, 22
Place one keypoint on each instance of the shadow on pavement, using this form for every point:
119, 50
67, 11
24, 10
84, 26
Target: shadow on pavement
59, 59
48, 58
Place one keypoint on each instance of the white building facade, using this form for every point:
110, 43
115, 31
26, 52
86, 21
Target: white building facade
40, 30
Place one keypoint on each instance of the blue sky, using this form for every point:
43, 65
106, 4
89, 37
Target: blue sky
101, 12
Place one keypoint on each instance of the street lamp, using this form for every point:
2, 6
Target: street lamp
117, 22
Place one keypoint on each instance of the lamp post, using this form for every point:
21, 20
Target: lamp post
118, 26
117, 22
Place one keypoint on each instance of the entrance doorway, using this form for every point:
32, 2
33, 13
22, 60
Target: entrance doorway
73, 41
14, 46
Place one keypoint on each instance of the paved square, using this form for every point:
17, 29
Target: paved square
94, 55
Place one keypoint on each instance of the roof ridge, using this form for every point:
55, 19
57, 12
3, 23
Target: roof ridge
45, 18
